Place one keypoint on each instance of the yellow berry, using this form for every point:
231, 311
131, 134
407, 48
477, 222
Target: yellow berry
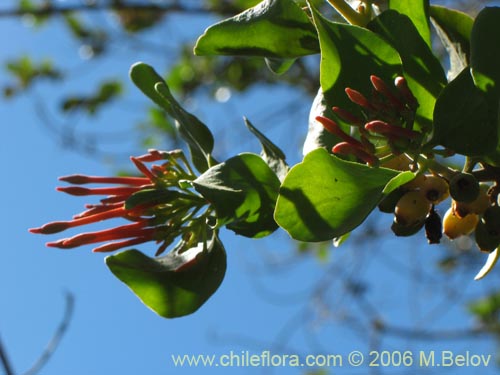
416, 183
399, 163
435, 189
455, 226
411, 208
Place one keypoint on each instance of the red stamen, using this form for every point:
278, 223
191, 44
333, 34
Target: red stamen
119, 190
82, 179
345, 148
389, 130
335, 129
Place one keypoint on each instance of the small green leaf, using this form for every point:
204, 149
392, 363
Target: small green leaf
423, 71
418, 12
271, 153
463, 120
454, 29
324, 197
193, 131
243, 190
349, 55
485, 51
279, 66
176, 284
273, 28
401, 179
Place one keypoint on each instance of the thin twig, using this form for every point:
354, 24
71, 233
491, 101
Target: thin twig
50, 10
5, 361
56, 338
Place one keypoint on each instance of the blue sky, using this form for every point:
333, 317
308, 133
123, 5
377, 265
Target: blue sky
271, 298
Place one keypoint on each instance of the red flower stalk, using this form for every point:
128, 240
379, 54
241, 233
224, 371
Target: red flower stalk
148, 216
380, 86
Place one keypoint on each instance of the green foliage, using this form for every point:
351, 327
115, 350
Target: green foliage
462, 119
273, 28
176, 284
422, 69
243, 190
193, 131
384, 111
26, 72
325, 197
106, 92
418, 12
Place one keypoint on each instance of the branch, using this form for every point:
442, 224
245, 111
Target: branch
50, 10
5, 361
56, 338
440, 335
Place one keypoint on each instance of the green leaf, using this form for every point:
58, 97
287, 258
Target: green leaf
349, 55
418, 12
279, 66
176, 284
243, 190
273, 28
463, 120
193, 131
271, 153
485, 52
454, 29
324, 197
423, 71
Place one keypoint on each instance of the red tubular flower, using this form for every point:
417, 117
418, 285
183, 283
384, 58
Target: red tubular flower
348, 116
389, 130
335, 129
345, 148
379, 85
145, 216
357, 98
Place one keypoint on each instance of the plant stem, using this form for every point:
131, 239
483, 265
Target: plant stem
350, 15
436, 167
5, 361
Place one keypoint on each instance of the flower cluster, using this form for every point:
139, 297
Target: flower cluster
156, 204
386, 122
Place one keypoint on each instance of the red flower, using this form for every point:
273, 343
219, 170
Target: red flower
150, 216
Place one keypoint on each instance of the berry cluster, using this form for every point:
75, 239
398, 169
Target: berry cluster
474, 208
386, 125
